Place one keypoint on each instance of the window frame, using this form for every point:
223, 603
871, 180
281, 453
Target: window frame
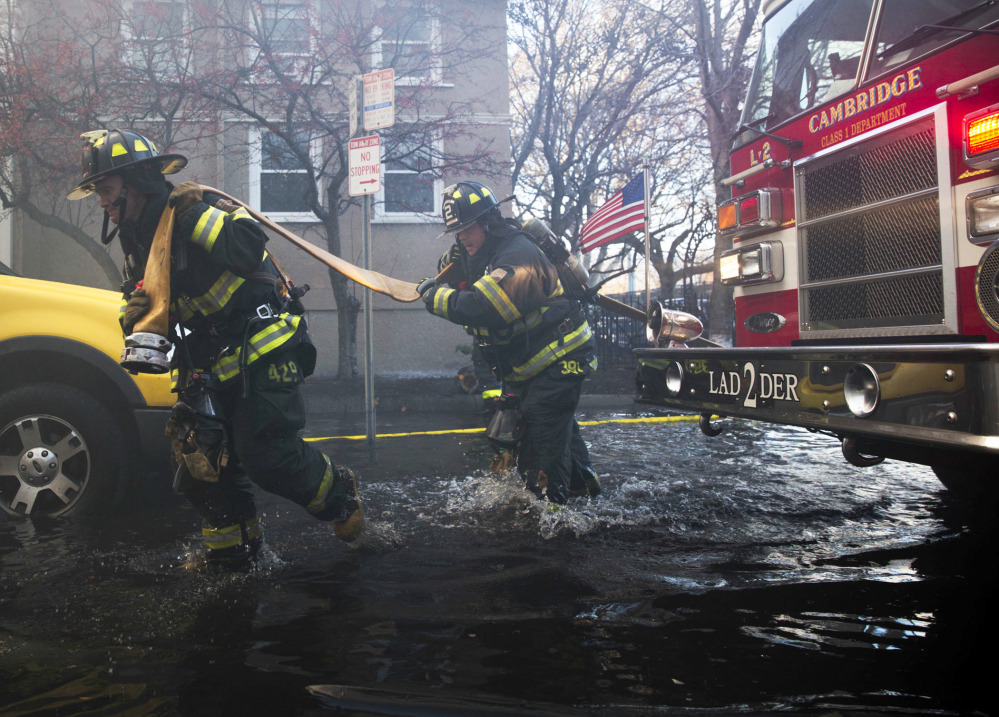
133, 52
382, 216
256, 171
297, 60
436, 74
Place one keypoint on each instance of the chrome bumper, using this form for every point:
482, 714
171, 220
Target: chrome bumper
938, 396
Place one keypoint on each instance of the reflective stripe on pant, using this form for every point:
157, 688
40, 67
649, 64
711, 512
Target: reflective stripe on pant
231, 536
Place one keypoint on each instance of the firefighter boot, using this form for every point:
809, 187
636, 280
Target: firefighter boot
584, 483
350, 523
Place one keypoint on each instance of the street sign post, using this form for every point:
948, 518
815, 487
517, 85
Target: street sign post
352, 103
364, 178
378, 99
364, 163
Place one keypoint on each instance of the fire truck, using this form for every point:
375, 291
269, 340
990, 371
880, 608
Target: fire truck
864, 217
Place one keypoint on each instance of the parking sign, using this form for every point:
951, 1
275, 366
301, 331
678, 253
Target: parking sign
379, 99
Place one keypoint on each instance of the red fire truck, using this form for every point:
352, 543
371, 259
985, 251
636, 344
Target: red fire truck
865, 225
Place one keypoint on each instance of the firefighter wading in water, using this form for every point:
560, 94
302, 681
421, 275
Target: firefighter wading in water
535, 337
239, 360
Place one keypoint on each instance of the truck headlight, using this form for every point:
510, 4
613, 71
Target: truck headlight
759, 263
982, 209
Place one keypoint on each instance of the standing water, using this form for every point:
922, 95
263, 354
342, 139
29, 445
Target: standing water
753, 573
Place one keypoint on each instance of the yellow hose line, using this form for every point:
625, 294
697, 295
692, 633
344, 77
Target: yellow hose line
650, 419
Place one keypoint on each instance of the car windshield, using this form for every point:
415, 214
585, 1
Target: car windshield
809, 53
7, 271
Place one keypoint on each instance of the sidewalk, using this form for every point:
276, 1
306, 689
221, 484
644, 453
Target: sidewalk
607, 388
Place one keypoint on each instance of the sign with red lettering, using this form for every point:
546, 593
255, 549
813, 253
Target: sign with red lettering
364, 165
378, 99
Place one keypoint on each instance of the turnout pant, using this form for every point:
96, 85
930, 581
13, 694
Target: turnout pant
552, 456
264, 449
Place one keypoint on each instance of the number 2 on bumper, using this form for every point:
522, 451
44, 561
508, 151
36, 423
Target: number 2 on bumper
759, 384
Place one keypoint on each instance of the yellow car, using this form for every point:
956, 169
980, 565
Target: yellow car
77, 432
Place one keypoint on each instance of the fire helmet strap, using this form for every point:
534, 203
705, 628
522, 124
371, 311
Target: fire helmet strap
120, 204
105, 237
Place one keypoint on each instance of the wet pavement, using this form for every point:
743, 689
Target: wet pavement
752, 573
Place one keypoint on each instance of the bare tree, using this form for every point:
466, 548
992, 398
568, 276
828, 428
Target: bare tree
286, 70
590, 89
599, 87
69, 67
721, 38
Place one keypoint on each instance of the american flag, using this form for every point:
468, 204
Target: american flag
621, 214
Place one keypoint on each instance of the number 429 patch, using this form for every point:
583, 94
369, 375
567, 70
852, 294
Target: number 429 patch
286, 372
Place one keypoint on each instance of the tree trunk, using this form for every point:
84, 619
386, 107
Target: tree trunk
348, 307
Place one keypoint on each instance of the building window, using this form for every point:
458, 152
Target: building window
409, 43
285, 36
155, 37
280, 182
286, 28
410, 191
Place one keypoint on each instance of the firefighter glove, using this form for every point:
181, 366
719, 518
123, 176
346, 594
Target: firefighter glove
184, 196
428, 289
456, 252
427, 286
138, 306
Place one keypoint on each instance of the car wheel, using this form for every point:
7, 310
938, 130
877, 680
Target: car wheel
61, 452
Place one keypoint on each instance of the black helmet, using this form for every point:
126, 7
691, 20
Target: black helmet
464, 203
107, 152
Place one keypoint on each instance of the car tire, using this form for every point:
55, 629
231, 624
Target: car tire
62, 452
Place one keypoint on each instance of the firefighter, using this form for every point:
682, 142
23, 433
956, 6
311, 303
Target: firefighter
535, 337
242, 349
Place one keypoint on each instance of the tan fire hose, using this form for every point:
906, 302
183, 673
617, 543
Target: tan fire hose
403, 291
147, 347
156, 280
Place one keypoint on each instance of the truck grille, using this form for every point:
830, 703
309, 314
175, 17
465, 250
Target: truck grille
869, 235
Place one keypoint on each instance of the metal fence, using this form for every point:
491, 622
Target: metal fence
616, 336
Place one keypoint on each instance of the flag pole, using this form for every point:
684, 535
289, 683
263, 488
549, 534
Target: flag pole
648, 264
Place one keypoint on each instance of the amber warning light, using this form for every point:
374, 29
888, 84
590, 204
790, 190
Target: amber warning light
752, 213
981, 138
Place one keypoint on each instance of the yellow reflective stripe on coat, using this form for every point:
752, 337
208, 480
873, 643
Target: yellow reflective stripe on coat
489, 288
319, 501
231, 535
440, 304
550, 354
206, 231
213, 300
261, 343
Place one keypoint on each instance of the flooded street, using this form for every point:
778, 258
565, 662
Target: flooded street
752, 573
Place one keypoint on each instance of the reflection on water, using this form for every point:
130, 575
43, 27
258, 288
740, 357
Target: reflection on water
752, 572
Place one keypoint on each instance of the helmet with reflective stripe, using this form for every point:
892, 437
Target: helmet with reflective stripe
110, 152
465, 203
